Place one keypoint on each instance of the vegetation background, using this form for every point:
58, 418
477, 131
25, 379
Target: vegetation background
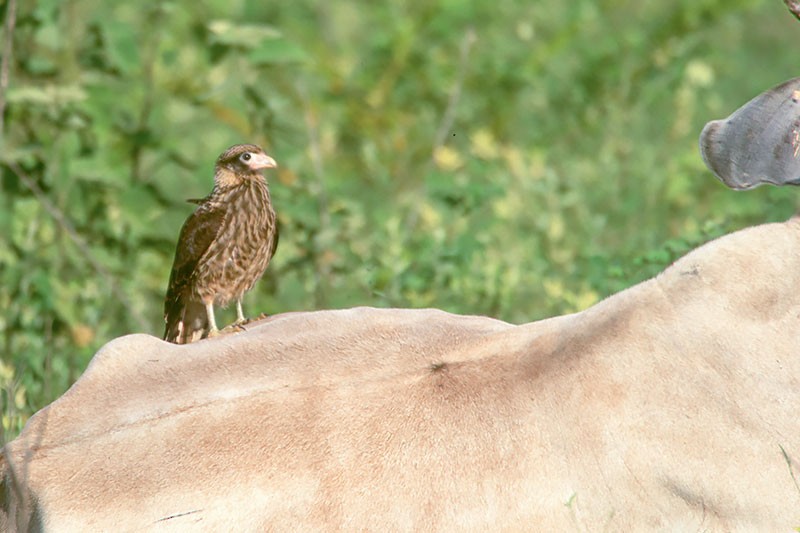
513, 159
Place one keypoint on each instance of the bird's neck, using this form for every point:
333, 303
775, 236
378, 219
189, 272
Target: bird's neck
226, 179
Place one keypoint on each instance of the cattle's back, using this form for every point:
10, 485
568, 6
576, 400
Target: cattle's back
670, 405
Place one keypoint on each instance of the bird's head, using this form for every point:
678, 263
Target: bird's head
241, 162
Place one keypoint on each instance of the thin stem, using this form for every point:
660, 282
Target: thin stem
312, 128
5, 66
449, 115
155, 20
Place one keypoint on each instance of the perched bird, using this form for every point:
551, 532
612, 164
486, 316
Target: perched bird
224, 246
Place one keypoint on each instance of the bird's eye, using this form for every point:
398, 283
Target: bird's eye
245, 156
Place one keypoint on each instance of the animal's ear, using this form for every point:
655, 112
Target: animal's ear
759, 143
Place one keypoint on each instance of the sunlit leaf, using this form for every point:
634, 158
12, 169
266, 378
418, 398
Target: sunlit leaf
232, 33
47, 95
447, 158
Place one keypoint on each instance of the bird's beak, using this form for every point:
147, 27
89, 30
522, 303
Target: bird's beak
259, 161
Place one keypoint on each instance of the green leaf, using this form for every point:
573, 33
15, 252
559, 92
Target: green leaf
167, 224
137, 210
49, 36
277, 51
122, 45
66, 300
95, 169
47, 95
230, 33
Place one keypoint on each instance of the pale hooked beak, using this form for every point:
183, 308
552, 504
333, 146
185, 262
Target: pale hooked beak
259, 161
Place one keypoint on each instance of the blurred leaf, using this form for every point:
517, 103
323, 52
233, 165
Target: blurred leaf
230, 33
47, 95
166, 225
276, 51
95, 169
49, 36
123, 45
138, 222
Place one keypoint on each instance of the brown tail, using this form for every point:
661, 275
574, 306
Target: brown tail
186, 322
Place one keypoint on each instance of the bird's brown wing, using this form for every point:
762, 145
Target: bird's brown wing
197, 234
275, 239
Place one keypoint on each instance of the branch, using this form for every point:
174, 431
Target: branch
455, 93
448, 117
794, 7
67, 226
321, 272
154, 20
8, 43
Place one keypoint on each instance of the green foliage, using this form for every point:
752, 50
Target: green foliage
513, 159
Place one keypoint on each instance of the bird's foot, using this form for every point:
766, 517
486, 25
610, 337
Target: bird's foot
244, 321
214, 332
236, 327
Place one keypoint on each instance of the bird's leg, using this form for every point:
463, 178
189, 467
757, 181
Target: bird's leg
238, 325
212, 322
240, 319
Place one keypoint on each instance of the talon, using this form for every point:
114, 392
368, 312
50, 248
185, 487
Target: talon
236, 327
213, 332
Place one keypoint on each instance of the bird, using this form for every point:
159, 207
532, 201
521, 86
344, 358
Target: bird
224, 246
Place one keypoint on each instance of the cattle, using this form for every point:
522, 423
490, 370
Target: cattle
672, 405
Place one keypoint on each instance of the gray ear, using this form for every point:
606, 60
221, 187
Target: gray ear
759, 143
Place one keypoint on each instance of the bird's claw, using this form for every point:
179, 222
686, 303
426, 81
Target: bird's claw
245, 321
236, 327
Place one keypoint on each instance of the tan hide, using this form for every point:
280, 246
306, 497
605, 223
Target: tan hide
674, 405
